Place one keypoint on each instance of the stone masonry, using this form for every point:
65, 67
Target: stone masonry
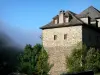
58, 49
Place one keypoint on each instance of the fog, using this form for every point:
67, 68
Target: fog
12, 42
20, 36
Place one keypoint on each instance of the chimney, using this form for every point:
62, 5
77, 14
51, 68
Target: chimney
61, 16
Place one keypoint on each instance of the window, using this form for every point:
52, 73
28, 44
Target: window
66, 19
55, 37
65, 36
56, 21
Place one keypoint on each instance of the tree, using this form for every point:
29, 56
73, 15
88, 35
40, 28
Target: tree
25, 60
83, 59
43, 67
34, 60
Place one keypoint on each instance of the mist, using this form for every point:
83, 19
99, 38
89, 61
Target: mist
12, 43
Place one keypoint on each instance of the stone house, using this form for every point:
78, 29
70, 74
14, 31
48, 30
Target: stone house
67, 29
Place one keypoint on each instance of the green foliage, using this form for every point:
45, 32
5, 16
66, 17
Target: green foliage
74, 61
83, 59
26, 64
34, 60
93, 60
43, 66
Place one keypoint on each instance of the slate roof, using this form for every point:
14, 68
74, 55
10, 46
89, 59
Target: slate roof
67, 13
56, 16
73, 21
89, 12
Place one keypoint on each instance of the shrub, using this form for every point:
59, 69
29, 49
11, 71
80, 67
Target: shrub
93, 60
83, 59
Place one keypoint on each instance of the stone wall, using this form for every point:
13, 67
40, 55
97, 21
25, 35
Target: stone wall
74, 35
59, 48
91, 37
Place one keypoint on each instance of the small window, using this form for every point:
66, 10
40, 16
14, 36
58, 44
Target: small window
66, 19
65, 36
55, 37
56, 21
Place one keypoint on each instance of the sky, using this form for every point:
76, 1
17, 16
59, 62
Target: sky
21, 19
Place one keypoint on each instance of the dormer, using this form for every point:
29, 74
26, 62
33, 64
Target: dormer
98, 19
86, 20
68, 17
63, 17
56, 22
56, 19
94, 22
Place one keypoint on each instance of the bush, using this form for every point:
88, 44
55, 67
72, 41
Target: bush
93, 60
83, 59
76, 59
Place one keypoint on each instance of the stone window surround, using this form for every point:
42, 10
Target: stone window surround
55, 37
65, 36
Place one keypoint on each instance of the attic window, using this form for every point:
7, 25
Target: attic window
56, 21
66, 19
55, 37
65, 36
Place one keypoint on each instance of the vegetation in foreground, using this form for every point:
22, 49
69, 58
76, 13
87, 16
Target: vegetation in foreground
34, 61
30, 61
83, 59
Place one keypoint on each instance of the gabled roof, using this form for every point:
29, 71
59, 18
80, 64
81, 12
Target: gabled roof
65, 14
91, 12
73, 21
